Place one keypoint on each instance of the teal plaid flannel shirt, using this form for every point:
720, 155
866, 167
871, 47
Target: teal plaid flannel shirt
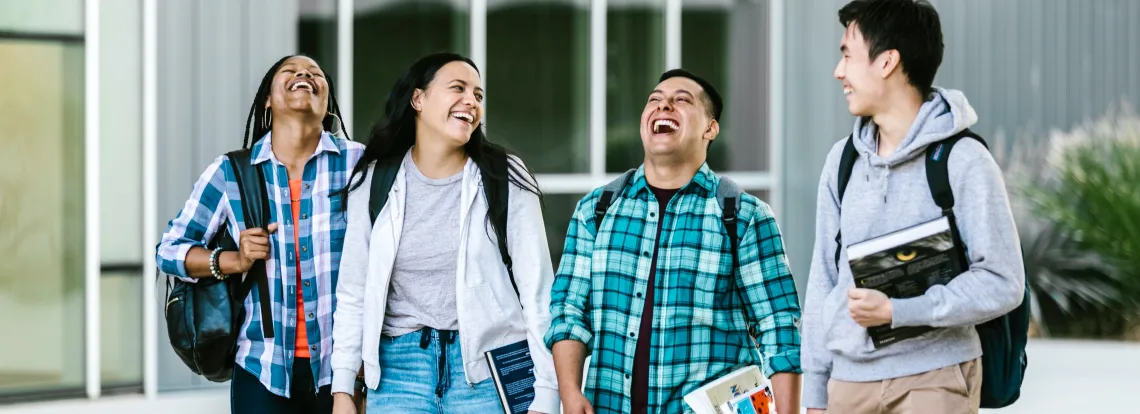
699, 325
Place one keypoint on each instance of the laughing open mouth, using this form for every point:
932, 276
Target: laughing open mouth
464, 116
665, 126
303, 84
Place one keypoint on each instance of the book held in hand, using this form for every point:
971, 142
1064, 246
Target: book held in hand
904, 264
744, 391
513, 372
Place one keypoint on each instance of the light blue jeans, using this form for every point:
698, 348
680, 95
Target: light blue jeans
422, 372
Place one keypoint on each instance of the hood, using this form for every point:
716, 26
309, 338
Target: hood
948, 113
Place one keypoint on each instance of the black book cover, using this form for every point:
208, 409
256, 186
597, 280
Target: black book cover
513, 371
904, 264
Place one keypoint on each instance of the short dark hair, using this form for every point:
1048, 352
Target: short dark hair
910, 26
710, 96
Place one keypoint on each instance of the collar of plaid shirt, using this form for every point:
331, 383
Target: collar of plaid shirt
699, 325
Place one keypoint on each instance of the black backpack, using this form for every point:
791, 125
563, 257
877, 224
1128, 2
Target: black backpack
728, 195
497, 191
1003, 339
203, 319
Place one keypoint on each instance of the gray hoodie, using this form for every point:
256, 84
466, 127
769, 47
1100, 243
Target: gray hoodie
889, 194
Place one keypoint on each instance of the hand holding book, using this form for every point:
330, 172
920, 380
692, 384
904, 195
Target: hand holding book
902, 264
869, 307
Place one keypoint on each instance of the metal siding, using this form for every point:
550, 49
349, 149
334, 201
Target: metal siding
1027, 66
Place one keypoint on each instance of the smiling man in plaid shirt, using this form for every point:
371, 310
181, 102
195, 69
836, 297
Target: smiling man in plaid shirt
649, 291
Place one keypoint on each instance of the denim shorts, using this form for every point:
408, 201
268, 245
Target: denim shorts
422, 372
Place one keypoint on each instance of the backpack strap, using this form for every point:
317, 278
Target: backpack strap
496, 187
937, 171
846, 165
383, 175
255, 205
611, 189
938, 179
728, 195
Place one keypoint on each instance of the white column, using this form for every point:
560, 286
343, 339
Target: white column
478, 36
598, 10
150, 194
776, 106
345, 15
672, 34
91, 197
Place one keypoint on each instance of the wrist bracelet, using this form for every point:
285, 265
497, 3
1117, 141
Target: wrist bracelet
215, 266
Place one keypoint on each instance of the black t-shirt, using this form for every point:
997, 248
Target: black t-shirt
640, 388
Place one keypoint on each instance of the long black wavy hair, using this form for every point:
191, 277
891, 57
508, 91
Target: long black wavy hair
395, 134
256, 117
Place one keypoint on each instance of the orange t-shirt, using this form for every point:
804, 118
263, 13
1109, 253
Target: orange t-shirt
301, 345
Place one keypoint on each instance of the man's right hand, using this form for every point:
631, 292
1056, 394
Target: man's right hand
343, 404
816, 411
576, 403
253, 245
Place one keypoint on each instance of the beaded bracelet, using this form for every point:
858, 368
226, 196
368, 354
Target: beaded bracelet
215, 267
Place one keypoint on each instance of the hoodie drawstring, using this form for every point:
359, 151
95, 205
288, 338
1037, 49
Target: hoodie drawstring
886, 181
884, 177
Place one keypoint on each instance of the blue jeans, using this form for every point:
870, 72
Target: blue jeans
422, 372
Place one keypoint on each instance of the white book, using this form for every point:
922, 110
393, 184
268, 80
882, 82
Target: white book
714, 397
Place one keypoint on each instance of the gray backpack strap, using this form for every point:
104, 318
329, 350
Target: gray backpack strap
728, 192
614, 187
728, 195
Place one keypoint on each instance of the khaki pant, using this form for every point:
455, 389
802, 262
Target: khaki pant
955, 389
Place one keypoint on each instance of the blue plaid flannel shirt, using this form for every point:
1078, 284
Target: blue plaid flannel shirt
699, 328
215, 199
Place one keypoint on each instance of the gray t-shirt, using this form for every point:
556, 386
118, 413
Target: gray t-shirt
422, 291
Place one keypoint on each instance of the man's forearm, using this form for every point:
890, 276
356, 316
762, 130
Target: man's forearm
786, 390
569, 359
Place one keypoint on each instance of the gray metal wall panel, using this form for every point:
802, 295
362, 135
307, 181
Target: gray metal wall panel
211, 56
1027, 66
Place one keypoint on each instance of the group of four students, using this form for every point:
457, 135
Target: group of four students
651, 286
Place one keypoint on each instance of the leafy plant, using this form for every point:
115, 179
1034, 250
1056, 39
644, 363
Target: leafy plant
1093, 193
1070, 282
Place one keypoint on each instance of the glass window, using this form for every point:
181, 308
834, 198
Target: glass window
635, 58
121, 309
389, 37
726, 43
538, 85
316, 33
42, 214
42, 17
120, 195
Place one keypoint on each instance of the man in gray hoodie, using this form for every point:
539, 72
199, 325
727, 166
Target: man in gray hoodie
891, 50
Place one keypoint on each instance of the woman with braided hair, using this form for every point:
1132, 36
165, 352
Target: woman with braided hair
305, 165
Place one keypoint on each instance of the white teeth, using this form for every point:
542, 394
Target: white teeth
846, 91
464, 116
300, 84
664, 122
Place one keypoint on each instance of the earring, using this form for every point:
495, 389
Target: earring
267, 119
339, 125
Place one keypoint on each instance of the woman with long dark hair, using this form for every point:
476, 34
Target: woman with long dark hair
425, 291
293, 117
